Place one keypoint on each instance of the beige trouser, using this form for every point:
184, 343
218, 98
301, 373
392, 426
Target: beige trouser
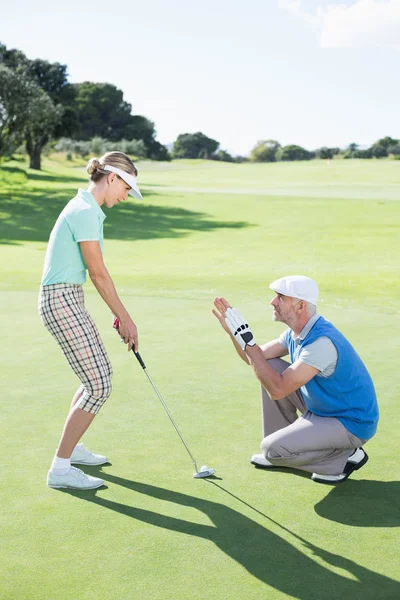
310, 443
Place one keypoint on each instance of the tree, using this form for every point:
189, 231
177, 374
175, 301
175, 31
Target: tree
14, 90
157, 151
293, 152
367, 153
325, 153
383, 147
194, 145
26, 111
386, 142
352, 147
43, 118
349, 152
13, 59
141, 128
223, 156
102, 111
378, 151
53, 79
395, 149
265, 151
40, 85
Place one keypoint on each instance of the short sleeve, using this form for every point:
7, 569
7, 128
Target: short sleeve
321, 355
85, 225
283, 339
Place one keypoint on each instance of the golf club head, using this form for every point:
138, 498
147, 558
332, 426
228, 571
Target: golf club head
204, 472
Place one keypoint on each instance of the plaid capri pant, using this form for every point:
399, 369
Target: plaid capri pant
63, 313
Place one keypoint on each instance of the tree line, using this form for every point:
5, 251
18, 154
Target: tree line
38, 104
40, 109
272, 151
198, 145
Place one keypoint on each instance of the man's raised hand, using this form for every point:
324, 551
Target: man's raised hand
239, 328
221, 306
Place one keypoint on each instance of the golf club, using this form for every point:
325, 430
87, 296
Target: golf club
204, 471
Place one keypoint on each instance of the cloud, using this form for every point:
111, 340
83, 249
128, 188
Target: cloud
362, 24
295, 9
365, 23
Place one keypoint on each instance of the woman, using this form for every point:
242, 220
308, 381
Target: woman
76, 246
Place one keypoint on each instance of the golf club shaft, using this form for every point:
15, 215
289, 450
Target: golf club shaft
171, 418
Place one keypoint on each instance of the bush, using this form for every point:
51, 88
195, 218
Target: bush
363, 153
395, 150
378, 151
223, 156
325, 153
194, 145
81, 148
71, 147
64, 145
293, 152
48, 148
98, 145
135, 147
265, 151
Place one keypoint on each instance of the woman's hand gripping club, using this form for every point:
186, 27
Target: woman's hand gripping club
128, 333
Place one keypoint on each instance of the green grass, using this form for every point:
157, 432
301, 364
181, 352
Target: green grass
204, 229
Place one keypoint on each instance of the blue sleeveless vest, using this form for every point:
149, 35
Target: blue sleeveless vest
348, 394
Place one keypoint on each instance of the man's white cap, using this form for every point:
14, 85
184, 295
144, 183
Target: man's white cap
297, 286
128, 178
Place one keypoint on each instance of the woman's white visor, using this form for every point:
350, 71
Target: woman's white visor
128, 178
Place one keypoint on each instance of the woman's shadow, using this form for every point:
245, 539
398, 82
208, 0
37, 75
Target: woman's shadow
263, 553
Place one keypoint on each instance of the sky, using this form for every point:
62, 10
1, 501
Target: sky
312, 72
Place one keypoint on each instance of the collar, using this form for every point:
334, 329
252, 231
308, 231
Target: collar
90, 199
307, 328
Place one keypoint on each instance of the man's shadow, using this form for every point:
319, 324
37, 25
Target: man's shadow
261, 552
363, 504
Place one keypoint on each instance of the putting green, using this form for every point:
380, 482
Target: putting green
204, 229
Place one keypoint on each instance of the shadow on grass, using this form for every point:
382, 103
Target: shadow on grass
363, 504
264, 554
12, 175
29, 214
287, 470
11, 170
49, 176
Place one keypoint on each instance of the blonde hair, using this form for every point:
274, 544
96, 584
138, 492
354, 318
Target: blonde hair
95, 166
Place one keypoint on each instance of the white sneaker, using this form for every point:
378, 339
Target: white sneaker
83, 456
354, 462
260, 461
328, 478
75, 479
358, 456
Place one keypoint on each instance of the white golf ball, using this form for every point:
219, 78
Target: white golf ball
204, 468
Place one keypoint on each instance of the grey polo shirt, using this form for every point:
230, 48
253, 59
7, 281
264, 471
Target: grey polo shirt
321, 354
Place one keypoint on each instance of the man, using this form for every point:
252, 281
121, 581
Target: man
327, 383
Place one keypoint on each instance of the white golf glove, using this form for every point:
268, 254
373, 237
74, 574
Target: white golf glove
239, 328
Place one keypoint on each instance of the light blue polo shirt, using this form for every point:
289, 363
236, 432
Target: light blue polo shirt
80, 221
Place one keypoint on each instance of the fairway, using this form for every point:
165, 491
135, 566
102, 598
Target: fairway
204, 229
